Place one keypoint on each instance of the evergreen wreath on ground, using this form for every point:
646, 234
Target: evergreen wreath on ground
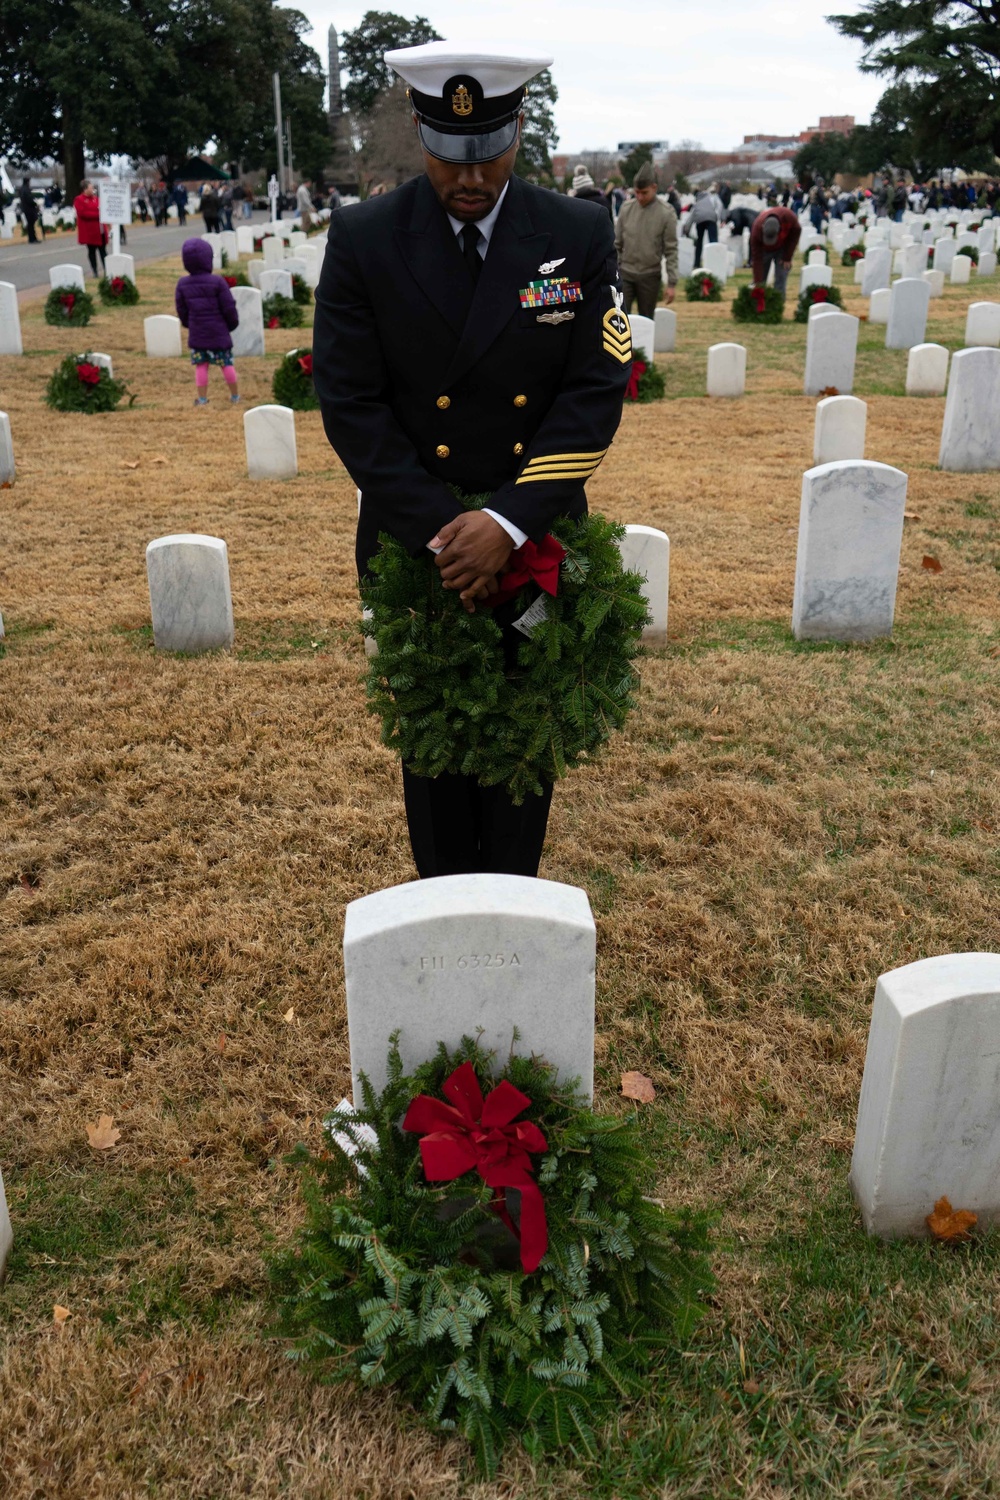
282, 312
67, 305
118, 291
852, 255
301, 292
293, 381
813, 295
972, 251
758, 304
449, 697
703, 287
506, 1271
645, 382
77, 384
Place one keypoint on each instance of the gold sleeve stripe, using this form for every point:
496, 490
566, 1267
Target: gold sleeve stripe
565, 458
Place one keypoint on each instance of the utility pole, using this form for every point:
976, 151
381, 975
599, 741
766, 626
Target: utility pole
278, 132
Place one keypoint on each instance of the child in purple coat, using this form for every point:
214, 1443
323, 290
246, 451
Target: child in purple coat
206, 307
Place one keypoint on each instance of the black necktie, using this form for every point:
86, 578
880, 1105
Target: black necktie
470, 249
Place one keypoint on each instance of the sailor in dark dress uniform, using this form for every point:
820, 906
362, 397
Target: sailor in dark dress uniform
469, 332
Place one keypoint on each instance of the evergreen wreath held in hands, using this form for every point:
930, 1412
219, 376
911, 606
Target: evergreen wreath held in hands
118, 291
449, 698
813, 295
78, 384
293, 381
702, 286
758, 304
501, 1258
68, 306
281, 312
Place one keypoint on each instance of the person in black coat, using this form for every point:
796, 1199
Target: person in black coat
469, 333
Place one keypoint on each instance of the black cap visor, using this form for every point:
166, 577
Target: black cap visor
467, 146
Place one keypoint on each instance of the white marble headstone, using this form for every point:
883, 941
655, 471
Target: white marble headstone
8, 471
840, 429
646, 550
927, 370
269, 432
831, 347
665, 335
928, 1124
66, 276
961, 270
643, 336
909, 300
982, 325
727, 370
189, 593
163, 336
847, 564
458, 955
248, 335
10, 320
120, 265
970, 433
276, 283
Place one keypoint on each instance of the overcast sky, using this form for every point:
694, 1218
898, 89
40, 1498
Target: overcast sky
660, 69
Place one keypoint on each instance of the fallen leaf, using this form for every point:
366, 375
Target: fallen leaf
289, 1014
829, 390
930, 563
910, 515
127, 465
59, 1316
222, 1041
638, 1086
103, 1135
950, 1224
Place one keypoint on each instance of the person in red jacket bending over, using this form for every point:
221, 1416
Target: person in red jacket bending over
89, 229
774, 236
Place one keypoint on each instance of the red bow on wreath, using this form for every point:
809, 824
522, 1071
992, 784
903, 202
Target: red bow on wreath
820, 294
68, 300
306, 365
706, 287
636, 373
473, 1134
530, 563
88, 373
759, 296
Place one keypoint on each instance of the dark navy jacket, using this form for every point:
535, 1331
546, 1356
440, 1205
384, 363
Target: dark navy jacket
428, 379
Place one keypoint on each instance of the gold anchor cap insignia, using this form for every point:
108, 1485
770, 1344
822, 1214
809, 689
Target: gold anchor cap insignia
461, 101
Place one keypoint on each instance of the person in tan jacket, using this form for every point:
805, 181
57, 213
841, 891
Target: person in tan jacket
645, 235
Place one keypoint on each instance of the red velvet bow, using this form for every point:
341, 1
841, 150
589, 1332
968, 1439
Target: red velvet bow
530, 562
68, 300
820, 294
473, 1134
759, 298
636, 373
88, 373
306, 364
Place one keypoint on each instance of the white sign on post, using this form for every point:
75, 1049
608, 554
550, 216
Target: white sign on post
115, 195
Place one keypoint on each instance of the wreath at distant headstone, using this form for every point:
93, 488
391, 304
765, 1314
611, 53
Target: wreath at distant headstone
814, 295
852, 255
645, 382
293, 381
758, 304
67, 306
118, 291
301, 292
702, 286
282, 312
501, 1258
451, 699
972, 251
78, 384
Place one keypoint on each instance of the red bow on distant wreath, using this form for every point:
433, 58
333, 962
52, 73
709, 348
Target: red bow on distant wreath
820, 294
759, 296
473, 1134
636, 373
88, 373
68, 300
539, 563
306, 365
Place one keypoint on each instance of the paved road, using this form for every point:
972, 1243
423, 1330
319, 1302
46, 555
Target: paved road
29, 265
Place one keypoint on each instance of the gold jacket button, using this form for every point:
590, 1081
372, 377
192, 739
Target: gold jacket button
518, 449
520, 400
443, 402
442, 450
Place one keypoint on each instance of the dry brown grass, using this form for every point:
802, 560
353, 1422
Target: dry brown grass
180, 837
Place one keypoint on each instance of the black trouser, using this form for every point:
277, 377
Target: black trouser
458, 827
93, 251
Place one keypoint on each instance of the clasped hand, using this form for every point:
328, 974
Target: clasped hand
474, 549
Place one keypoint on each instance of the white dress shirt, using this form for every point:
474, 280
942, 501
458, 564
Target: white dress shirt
486, 227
